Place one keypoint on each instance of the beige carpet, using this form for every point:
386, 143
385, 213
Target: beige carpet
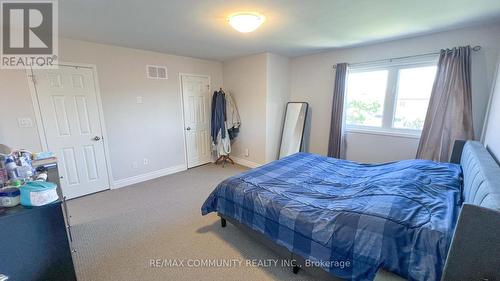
117, 233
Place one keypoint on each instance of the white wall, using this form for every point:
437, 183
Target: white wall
260, 85
245, 79
492, 126
152, 130
312, 79
15, 102
278, 94
366, 147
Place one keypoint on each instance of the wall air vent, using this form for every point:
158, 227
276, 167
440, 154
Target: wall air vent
157, 72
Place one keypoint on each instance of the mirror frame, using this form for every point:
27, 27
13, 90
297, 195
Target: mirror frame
303, 127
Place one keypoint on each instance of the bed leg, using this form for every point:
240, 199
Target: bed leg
296, 269
223, 222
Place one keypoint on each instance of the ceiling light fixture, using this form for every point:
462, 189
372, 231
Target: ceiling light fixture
246, 22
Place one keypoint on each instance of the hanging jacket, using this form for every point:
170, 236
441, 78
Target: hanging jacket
218, 119
223, 145
232, 116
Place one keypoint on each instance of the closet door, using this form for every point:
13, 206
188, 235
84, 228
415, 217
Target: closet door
68, 102
196, 96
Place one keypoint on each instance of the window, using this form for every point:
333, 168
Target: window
414, 92
389, 98
365, 99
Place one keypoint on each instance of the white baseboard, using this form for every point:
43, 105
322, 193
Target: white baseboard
148, 176
246, 163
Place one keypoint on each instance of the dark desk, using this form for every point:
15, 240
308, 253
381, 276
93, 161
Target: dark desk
34, 244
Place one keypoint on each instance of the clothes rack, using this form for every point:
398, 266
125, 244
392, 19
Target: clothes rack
223, 159
223, 130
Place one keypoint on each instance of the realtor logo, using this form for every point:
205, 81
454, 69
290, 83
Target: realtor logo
29, 34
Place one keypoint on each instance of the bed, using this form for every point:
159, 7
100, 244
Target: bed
352, 219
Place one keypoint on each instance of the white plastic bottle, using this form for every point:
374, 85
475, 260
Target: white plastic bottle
11, 166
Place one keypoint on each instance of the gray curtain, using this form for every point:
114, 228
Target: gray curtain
336, 141
449, 116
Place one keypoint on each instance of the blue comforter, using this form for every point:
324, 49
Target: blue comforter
350, 218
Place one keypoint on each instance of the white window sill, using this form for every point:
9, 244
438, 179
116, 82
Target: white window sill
382, 132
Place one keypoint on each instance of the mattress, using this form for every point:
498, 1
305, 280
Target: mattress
349, 218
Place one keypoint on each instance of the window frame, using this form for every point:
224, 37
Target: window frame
390, 98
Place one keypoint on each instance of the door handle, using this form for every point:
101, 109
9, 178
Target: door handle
188, 128
97, 138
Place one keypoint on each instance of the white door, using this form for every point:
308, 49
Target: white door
68, 105
196, 95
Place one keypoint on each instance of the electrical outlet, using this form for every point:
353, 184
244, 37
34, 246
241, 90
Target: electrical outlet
140, 99
135, 165
146, 161
246, 152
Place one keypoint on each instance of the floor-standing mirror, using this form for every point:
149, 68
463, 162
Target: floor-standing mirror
293, 128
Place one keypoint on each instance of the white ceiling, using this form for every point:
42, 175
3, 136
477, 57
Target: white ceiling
198, 28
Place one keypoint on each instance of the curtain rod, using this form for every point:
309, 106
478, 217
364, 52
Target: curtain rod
475, 49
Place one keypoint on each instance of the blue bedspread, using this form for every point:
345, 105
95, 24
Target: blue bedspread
350, 218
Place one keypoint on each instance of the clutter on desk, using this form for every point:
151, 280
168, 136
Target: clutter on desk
20, 183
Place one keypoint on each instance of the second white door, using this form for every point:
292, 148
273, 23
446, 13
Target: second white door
196, 95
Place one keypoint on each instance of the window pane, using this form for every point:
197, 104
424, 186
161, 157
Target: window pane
365, 98
414, 92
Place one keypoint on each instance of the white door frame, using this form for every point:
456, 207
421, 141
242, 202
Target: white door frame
39, 120
182, 74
